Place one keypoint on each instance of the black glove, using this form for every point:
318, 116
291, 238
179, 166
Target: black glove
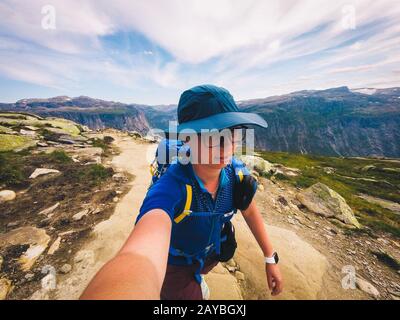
244, 192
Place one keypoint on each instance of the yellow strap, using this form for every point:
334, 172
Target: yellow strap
152, 170
188, 203
240, 174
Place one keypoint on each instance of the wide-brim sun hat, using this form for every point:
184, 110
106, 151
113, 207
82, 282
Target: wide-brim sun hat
208, 107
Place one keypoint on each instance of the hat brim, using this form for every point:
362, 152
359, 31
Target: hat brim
220, 121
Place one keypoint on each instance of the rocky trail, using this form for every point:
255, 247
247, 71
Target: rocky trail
310, 261
318, 255
109, 235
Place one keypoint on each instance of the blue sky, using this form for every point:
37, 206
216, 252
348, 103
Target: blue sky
150, 51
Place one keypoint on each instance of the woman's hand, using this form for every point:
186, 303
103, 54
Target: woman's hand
274, 278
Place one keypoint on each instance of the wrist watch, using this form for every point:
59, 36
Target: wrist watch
272, 260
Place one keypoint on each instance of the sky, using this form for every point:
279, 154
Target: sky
149, 52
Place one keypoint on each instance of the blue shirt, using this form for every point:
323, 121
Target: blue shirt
169, 192
203, 226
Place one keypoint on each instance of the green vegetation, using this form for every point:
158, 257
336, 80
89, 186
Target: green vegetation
19, 120
94, 174
10, 142
350, 177
11, 169
60, 156
104, 143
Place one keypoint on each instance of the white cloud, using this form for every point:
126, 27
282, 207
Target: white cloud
227, 42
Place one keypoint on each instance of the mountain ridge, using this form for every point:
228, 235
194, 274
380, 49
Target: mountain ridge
336, 121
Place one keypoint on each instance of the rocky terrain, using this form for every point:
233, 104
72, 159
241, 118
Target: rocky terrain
56, 184
69, 198
334, 122
322, 247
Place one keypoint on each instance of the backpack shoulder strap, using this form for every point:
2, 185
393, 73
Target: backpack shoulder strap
186, 211
240, 169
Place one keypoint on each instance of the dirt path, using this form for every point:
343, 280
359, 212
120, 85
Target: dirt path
110, 235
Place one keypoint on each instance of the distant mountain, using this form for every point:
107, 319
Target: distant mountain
95, 113
337, 121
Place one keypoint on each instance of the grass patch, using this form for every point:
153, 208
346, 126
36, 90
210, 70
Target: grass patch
350, 177
94, 174
104, 144
10, 142
60, 156
11, 173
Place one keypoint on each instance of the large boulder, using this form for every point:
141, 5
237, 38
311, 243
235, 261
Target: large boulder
322, 200
223, 285
304, 269
257, 163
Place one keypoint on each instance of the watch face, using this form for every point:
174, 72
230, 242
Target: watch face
276, 257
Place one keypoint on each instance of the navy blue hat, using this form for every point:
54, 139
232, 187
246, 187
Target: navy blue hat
211, 107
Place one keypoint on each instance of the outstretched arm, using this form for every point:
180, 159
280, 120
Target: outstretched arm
138, 270
255, 221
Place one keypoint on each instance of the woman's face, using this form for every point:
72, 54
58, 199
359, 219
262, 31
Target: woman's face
212, 150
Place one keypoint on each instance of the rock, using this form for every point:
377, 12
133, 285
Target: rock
151, 138
66, 233
49, 210
96, 211
66, 268
78, 216
231, 263
223, 286
88, 153
29, 276
329, 170
36, 238
5, 288
7, 195
322, 200
42, 144
42, 171
49, 282
283, 201
27, 132
239, 275
368, 167
115, 199
365, 286
231, 269
1, 262
13, 224
135, 134
74, 139
55, 246
119, 177
260, 187
304, 268
259, 164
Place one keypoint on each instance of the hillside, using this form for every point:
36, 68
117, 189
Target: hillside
333, 122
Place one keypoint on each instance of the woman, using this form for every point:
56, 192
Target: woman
183, 229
